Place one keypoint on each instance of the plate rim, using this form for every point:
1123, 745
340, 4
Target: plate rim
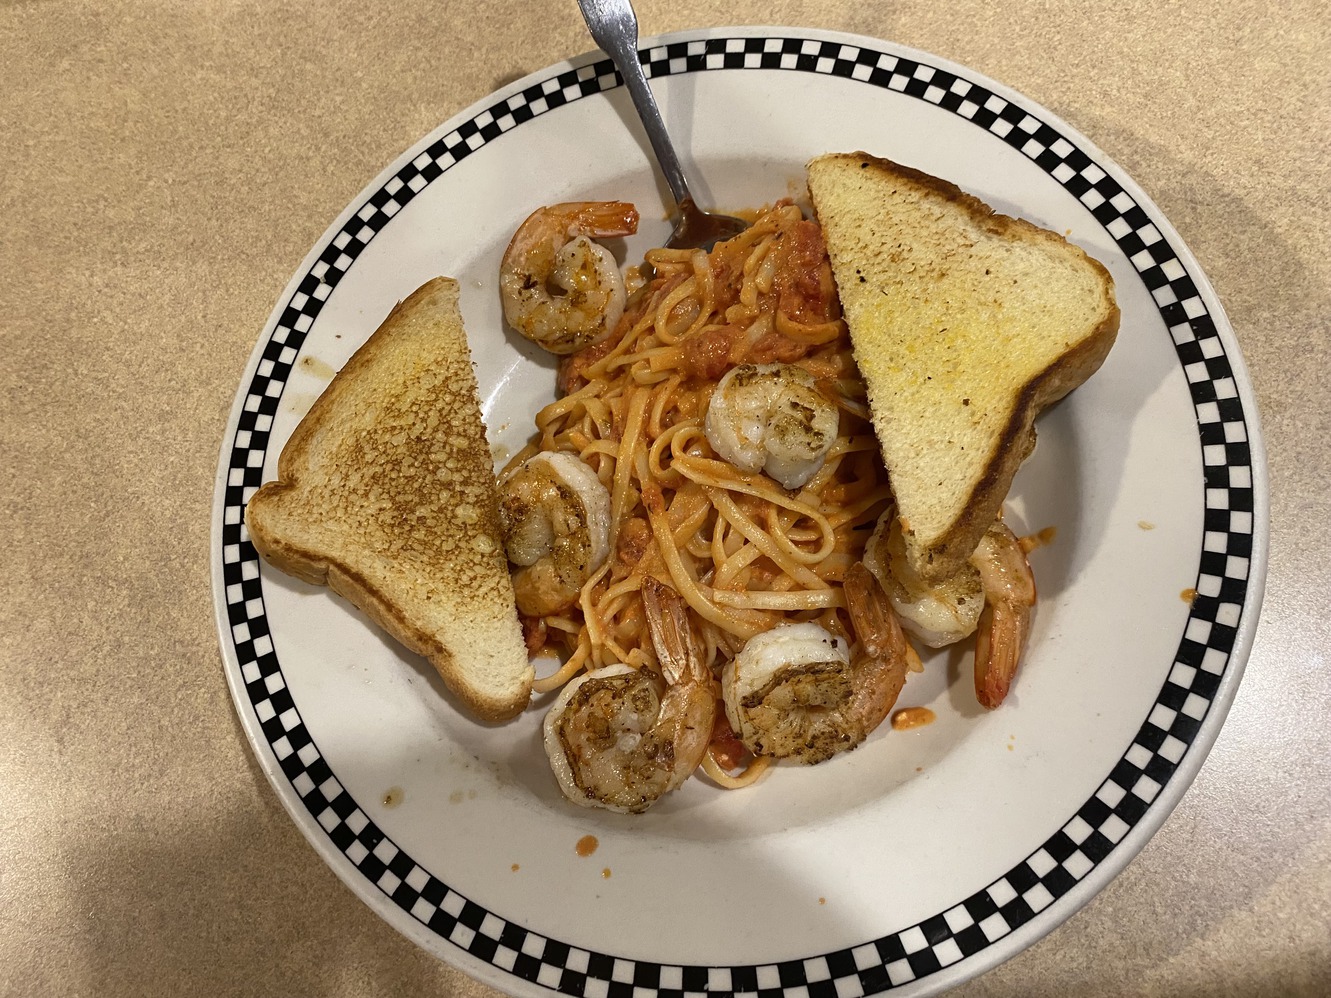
1121, 852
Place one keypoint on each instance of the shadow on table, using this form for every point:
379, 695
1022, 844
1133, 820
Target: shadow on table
241, 907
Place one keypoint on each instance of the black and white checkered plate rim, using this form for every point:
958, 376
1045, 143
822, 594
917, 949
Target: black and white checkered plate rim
1225, 580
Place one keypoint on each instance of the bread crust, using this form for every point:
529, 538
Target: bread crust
942, 554
303, 525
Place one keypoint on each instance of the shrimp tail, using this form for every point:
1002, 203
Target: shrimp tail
678, 651
871, 615
885, 653
998, 644
555, 224
1009, 589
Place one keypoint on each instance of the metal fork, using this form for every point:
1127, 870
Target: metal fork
614, 26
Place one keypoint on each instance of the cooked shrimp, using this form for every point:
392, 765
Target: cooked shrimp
559, 289
772, 417
939, 614
797, 691
556, 518
990, 597
615, 739
1009, 594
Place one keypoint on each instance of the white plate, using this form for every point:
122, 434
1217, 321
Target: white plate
922, 858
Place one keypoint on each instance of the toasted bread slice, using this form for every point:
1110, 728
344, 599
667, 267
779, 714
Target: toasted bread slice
965, 324
386, 493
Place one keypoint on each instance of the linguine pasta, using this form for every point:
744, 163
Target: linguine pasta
744, 553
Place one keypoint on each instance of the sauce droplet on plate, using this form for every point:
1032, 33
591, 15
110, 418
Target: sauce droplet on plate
586, 845
1188, 595
912, 717
394, 796
1041, 538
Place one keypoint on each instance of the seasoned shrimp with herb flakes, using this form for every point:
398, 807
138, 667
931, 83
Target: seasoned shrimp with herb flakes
556, 518
772, 418
991, 596
559, 288
621, 738
800, 692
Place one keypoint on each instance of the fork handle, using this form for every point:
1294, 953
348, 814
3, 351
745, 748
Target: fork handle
614, 27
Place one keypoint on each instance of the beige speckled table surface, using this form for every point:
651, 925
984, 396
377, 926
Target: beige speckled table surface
165, 166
